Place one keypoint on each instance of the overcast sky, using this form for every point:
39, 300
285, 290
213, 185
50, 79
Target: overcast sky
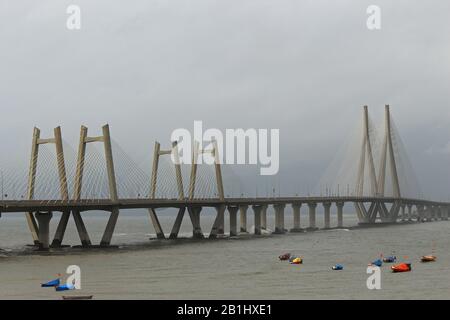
306, 67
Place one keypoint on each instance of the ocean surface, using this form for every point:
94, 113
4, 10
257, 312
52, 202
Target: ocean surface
245, 267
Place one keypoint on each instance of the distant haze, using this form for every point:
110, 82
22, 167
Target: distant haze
306, 67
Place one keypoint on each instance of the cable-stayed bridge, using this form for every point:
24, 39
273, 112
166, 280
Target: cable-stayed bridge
376, 177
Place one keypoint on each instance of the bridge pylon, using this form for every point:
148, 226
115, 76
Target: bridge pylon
105, 138
366, 155
36, 142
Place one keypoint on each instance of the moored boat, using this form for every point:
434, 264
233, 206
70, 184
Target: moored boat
401, 267
297, 261
337, 267
284, 256
429, 258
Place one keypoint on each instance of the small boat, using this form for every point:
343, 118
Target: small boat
50, 284
284, 256
390, 259
377, 263
401, 267
337, 267
65, 287
297, 261
77, 297
430, 258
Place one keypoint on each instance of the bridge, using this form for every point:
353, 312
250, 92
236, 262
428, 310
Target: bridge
110, 180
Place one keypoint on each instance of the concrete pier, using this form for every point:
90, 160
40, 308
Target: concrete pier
279, 218
340, 214
296, 212
194, 213
409, 212
232, 210
257, 210
444, 213
43, 219
312, 216
420, 213
264, 217
243, 212
327, 207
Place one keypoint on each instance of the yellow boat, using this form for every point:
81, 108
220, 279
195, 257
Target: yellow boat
297, 261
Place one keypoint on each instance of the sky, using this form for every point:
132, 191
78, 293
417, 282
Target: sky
304, 67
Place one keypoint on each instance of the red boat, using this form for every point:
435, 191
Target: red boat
401, 267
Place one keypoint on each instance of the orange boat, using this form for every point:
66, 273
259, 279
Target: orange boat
401, 267
428, 258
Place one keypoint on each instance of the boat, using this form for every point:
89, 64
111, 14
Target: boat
65, 287
377, 263
429, 258
337, 267
284, 256
297, 261
292, 258
77, 297
50, 284
401, 267
390, 259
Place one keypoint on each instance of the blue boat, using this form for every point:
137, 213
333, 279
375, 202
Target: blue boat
338, 267
53, 283
390, 259
65, 287
377, 263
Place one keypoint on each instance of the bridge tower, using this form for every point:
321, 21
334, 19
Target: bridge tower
36, 142
378, 184
105, 138
152, 212
365, 156
194, 212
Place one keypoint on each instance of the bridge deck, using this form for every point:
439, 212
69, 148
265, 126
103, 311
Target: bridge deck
108, 205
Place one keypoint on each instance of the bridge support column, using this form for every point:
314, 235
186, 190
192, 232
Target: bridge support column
264, 217
81, 228
177, 224
430, 210
446, 213
156, 225
403, 208
110, 226
409, 212
327, 207
312, 216
257, 210
279, 218
420, 213
43, 219
232, 210
243, 213
194, 213
296, 208
218, 223
340, 215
